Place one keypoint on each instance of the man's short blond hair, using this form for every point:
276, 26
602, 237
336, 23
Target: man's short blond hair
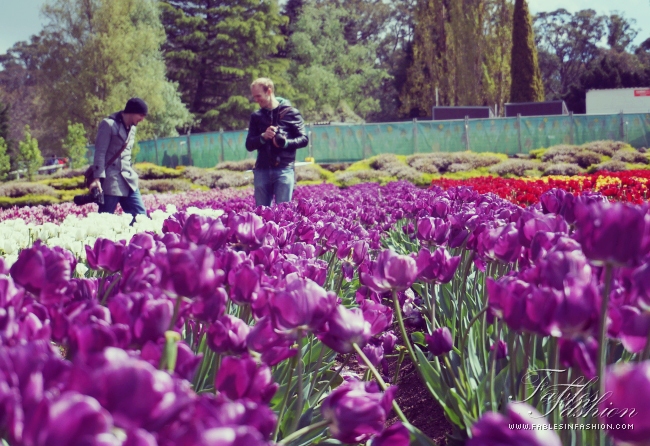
265, 82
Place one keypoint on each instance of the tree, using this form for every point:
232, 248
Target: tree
214, 50
74, 145
328, 72
525, 74
613, 69
5, 165
29, 154
4, 121
567, 43
95, 56
620, 33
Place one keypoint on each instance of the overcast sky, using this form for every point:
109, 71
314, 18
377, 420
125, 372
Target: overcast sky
20, 19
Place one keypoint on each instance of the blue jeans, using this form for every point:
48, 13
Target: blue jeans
270, 182
131, 204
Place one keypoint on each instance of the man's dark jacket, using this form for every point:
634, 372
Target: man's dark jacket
290, 121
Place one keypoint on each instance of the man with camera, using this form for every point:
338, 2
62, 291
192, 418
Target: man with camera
276, 131
115, 181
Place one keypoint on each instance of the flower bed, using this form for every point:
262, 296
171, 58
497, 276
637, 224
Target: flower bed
225, 329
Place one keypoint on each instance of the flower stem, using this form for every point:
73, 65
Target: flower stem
283, 405
602, 338
301, 391
379, 379
303, 431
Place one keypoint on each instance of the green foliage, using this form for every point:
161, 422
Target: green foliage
29, 155
336, 78
4, 121
27, 200
74, 145
525, 74
149, 171
609, 166
214, 50
515, 167
237, 166
64, 183
5, 164
537, 153
106, 51
567, 169
165, 185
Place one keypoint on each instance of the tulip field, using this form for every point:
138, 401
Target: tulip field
522, 305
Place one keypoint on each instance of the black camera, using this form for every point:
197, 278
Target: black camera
280, 137
95, 196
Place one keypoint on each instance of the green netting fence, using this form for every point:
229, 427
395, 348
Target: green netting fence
344, 143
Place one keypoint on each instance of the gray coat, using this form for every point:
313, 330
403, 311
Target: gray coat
119, 178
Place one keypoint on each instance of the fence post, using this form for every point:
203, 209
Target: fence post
572, 137
415, 135
311, 140
189, 149
622, 126
155, 145
221, 155
366, 147
519, 131
467, 147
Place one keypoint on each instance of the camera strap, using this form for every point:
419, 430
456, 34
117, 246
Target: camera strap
114, 157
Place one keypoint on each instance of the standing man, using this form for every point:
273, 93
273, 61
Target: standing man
276, 131
118, 181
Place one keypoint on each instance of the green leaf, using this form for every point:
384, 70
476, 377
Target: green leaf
418, 338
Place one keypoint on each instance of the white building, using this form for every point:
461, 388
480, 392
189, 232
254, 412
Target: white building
617, 100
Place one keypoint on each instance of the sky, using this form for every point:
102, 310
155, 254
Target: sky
19, 19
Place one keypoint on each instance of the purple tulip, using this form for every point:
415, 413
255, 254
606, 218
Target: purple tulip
396, 435
249, 229
374, 353
501, 243
132, 390
617, 233
501, 349
244, 284
359, 252
433, 230
388, 341
522, 425
378, 316
205, 231
303, 305
437, 267
209, 307
40, 267
357, 410
274, 347
154, 319
71, 419
343, 328
239, 378
627, 386
580, 353
191, 270
390, 272
635, 326
228, 335
439, 342
530, 223
186, 361
106, 255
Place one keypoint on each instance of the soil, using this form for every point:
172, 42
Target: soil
413, 398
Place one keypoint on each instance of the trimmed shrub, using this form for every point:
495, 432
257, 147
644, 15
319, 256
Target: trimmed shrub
69, 173
362, 176
308, 173
585, 158
607, 148
236, 166
609, 166
149, 171
14, 190
233, 179
165, 185
459, 167
563, 169
516, 167
423, 163
65, 183
335, 167
27, 200
381, 162
629, 156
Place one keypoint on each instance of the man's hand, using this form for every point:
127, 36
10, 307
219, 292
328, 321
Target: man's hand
270, 132
96, 183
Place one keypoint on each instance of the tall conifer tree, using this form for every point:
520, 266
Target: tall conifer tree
525, 74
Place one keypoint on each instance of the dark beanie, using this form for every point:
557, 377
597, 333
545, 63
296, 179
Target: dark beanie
136, 106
